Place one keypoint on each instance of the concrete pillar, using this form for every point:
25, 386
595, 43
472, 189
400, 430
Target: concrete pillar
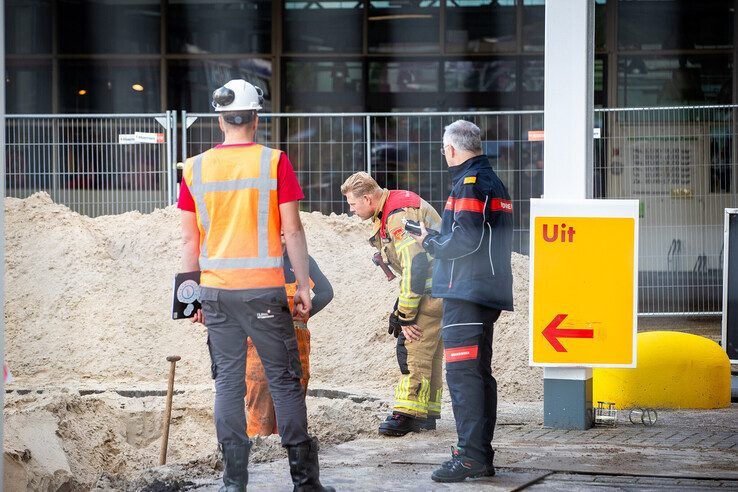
568, 127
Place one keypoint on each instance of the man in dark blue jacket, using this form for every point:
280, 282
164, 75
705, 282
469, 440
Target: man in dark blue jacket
473, 275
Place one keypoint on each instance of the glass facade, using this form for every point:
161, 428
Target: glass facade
325, 86
365, 55
28, 27
487, 26
28, 86
119, 86
100, 26
223, 27
675, 80
191, 82
675, 24
322, 27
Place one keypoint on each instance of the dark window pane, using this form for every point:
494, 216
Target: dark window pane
534, 15
404, 86
674, 80
600, 25
28, 26
191, 82
28, 86
314, 85
396, 76
480, 76
114, 26
480, 84
108, 86
483, 26
228, 26
320, 27
403, 26
531, 91
533, 75
675, 24
600, 81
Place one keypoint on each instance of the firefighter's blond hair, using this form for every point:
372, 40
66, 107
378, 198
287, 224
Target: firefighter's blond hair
360, 184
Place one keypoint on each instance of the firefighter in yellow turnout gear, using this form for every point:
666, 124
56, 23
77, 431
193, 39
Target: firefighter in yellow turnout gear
416, 317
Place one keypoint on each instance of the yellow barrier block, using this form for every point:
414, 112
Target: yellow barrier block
675, 370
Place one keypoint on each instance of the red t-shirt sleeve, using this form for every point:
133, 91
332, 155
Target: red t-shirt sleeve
185, 198
288, 188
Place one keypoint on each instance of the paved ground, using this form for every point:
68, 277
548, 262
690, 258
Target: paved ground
685, 450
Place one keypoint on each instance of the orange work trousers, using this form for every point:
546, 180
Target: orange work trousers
260, 417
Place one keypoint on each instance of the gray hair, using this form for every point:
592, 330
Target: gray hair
463, 135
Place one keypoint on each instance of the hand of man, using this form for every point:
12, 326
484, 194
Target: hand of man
412, 332
198, 317
303, 303
423, 233
395, 328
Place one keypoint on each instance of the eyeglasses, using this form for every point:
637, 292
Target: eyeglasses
443, 149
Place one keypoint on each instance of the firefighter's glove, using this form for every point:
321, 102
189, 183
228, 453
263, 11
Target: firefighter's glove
395, 326
431, 234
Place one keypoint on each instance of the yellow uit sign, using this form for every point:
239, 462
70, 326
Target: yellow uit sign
583, 283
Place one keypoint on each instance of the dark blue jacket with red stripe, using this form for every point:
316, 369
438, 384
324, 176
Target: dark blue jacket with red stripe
472, 251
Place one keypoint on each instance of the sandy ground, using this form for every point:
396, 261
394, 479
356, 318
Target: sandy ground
88, 332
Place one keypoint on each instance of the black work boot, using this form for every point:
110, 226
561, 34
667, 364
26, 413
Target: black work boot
490, 465
397, 424
304, 467
459, 468
427, 424
235, 466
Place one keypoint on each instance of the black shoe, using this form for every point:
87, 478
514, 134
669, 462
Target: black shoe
235, 467
397, 424
428, 424
304, 467
459, 468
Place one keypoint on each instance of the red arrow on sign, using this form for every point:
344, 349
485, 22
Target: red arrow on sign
552, 333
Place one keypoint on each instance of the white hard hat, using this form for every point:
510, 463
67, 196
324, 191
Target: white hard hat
238, 95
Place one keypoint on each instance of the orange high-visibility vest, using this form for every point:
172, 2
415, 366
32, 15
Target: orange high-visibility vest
235, 194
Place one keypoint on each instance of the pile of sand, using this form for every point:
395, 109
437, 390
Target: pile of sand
87, 303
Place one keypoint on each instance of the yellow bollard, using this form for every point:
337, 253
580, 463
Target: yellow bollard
675, 370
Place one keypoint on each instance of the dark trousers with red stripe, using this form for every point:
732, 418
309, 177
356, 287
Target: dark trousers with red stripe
467, 338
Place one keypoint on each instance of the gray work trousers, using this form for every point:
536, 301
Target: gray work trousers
262, 314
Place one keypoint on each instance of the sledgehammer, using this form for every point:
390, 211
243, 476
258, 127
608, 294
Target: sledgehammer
378, 261
168, 410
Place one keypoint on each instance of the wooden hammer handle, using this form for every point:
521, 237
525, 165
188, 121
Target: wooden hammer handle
168, 410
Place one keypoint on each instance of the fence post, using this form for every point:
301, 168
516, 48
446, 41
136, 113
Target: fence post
368, 144
168, 157
185, 126
55, 189
173, 159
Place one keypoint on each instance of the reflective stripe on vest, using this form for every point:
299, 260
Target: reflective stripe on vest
264, 184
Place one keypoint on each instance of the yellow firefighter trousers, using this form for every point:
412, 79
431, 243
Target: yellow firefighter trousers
418, 393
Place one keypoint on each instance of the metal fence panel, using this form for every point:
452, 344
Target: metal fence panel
94, 164
403, 149
324, 149
680, 164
